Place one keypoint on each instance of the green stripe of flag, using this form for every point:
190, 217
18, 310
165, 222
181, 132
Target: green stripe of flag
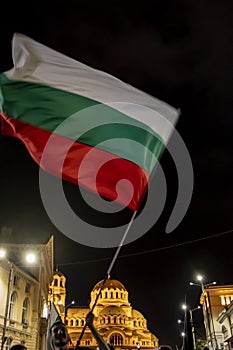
47, 107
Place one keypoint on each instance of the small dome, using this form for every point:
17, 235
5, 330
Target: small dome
114, 284
137, 314
112, 311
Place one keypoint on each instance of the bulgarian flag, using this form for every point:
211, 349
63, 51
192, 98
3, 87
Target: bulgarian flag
102, 129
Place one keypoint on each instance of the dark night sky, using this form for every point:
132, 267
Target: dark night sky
178, 51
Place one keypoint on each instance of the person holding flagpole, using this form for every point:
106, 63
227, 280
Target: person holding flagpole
58, 337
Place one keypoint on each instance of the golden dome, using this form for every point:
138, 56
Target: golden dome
137, 314
114, 284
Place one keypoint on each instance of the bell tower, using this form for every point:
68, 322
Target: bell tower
57, 292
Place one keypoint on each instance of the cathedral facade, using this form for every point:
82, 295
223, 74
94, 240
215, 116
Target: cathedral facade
115, 319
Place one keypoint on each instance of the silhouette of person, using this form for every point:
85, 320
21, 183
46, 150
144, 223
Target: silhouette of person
18, 347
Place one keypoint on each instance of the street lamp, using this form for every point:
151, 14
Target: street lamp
192, 324
183, 334
185, 307
66, 307
30, 258
203, 287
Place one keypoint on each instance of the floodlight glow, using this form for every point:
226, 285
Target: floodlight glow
30, 258
2, 253
184, 307
199, 278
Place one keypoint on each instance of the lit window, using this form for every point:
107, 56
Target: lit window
12, 305
25, 311
116, 339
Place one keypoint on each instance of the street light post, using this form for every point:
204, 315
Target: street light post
203, 287
192, 325
66, 307
184, 307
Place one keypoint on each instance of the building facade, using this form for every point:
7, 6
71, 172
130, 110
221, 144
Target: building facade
116, 320
218, 314
225, 319
24, 294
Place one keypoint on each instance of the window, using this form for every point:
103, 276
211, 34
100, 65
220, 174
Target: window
25, 311
226, 299
55, 282
61, 283
8, 344
111, 294
71, 322
115, 320
87, 342
27, 287
12, 305
116, 339
15, 280
77, 323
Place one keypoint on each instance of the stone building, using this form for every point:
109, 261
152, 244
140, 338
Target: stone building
115, 319
218, 315
24, 294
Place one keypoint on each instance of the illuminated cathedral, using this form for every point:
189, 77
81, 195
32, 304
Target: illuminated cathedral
117, 322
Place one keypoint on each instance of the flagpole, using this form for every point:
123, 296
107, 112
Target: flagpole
108, 274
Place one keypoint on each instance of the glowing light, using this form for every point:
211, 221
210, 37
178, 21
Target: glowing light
30, 258
2, 253
184, 307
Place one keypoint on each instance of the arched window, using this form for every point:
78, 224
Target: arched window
106, 294
111, 294
25, 311
115, 320
61, 283
55, 282
116, 295
12, 305
77, 323
116, 339
109, 319
71, 322
8, 344
82, 322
